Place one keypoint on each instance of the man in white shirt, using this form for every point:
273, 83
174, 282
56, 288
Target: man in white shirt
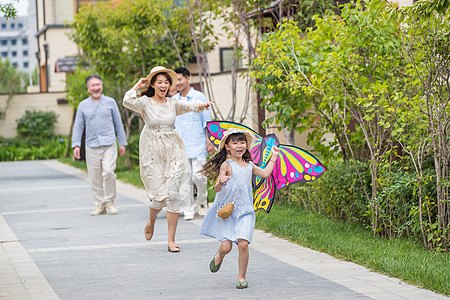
192, 129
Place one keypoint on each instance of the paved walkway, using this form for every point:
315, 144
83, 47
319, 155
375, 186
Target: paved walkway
51, 248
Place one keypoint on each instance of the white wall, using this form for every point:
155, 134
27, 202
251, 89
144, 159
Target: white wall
59, 46
39, 101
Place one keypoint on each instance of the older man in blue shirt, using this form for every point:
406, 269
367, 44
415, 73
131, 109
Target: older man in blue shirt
100, 115
191, 128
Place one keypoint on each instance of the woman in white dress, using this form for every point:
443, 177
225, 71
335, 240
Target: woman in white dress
162, 158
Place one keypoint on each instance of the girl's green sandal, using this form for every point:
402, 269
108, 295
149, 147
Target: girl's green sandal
212, 265
242, 284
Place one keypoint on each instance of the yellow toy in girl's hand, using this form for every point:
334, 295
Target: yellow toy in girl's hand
226, 210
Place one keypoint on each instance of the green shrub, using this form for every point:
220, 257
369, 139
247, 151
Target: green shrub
36, 138
133, 149
339, 194
130, 160
398, 199
19, 149
37, 126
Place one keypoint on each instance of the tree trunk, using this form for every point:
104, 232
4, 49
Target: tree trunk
289, 135
69, 142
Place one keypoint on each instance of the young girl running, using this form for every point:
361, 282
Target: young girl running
233, 168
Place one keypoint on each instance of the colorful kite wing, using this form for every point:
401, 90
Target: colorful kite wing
263, 195
296, 165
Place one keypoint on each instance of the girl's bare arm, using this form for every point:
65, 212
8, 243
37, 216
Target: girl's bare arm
224, 175
264, 173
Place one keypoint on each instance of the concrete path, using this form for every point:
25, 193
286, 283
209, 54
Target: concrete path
51, 248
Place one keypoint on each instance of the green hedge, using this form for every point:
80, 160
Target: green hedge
21, 149
339, 194
36, 138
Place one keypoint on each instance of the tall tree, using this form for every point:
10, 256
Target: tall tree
426, 41
243, 25
8, 11
285, 65
199, 15
246, 21
123, 40
351, 68
76, 92
12, 81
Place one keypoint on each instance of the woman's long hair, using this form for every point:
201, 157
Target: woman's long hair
212, 166
150, 92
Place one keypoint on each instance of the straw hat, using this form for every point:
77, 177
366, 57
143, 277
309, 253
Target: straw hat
249, 136
159, 69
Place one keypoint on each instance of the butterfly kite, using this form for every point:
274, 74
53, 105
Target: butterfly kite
293, 164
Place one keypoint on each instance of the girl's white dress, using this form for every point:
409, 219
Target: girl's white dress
241, 223
162, 157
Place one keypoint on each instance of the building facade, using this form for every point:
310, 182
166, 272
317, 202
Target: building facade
15, 43
53, 42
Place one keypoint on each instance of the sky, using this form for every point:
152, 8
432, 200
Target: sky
21, 6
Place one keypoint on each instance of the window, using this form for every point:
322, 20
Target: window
226, 59
25, 41
4, 54
3, 42
14, 65
3, 25
13, 42
13, 25
14, 53
25, 64
25, 53
20, 25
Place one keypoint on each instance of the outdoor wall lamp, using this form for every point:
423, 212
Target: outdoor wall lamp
45, 45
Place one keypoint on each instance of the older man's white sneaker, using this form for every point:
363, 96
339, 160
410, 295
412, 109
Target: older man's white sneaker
202, 210
101, 210
112, 209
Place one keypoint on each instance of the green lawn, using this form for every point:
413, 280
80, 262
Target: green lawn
398, 258
76, 163
131, 176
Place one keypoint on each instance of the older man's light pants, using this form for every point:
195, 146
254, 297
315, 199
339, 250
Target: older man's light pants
101, 163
